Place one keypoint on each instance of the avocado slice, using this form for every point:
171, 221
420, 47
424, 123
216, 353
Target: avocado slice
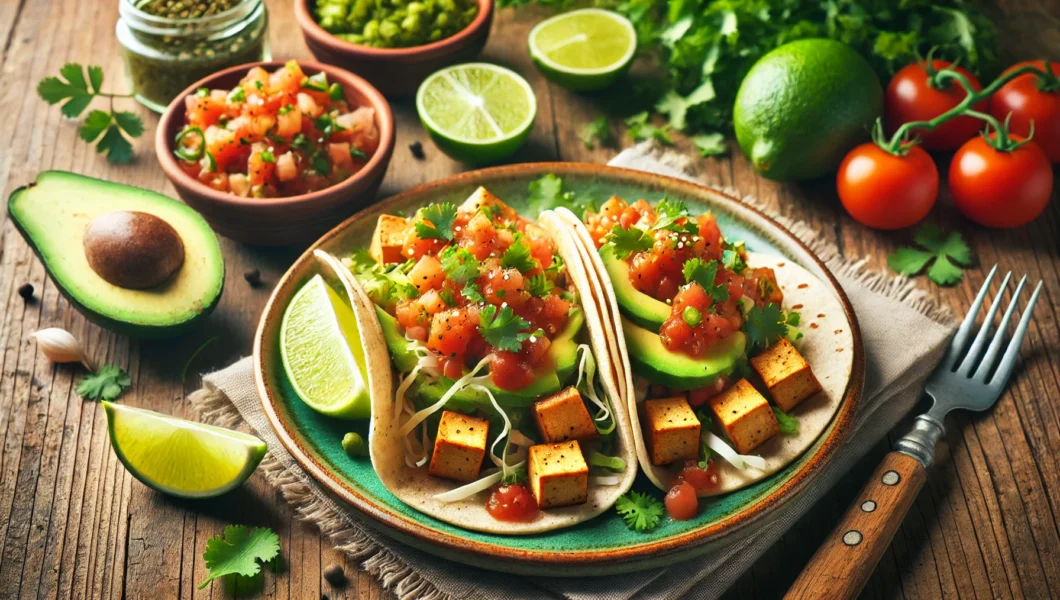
52, 214
634, 304
651, 360
564, 352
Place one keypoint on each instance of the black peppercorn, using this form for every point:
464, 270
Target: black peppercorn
334, 575
253, 277
417, 150
26, 291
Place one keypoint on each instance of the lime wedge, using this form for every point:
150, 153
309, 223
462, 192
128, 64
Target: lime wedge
178, 457
584, 50
477, 113
321, 351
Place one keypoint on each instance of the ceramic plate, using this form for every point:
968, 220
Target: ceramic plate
598, 546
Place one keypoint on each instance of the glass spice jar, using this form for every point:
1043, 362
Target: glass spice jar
181, 41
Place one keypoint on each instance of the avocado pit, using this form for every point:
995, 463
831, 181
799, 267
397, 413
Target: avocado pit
132, 249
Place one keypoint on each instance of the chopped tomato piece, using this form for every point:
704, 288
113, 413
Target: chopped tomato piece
513, 503
427, 274
681, 502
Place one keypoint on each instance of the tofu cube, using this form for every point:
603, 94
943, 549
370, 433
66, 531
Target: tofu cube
673, 430
459, 447
558, 474
482, 198
389, 239
745, 415
562, 416
787, 375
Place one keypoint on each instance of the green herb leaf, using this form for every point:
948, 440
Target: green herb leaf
539, 285
668, 212
95, 77
94, 125
704, 273
764, 326
641, 512
268, 157
732, 257
789, 425
947, 251
596, 130
240, 552
472, 293
236, 96
640, 129
518, 256
106, 384
514, 476
629, 241
72, 87
546, 192
118, 149
130, 123
459, 264
503, 329
710, 144
436, 221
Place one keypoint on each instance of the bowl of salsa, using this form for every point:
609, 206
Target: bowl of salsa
395, 45
274, 153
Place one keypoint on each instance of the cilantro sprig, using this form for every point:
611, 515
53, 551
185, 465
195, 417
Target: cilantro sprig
596, 130
789, 425
946, 253
696, 270
503, 329
518, 256
472, 293
641, 512
459, 264
539, 285
76, 91
629, 241
436, 221
106, 384
669, 212
764, 326
239, 552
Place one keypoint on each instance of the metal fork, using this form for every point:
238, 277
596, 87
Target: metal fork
971, 376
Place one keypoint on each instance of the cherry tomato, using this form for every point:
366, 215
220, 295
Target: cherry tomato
884, 191
1000, 189
911, 97
1026, 101
702, 480
512, 503
681, 502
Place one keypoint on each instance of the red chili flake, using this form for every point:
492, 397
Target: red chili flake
780, 264
838, 349
803, 286
838, 331
820, 315
796, 307
813, 325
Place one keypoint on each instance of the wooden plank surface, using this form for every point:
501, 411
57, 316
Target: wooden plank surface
74, 524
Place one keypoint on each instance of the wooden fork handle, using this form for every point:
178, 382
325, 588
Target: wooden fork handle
844, 562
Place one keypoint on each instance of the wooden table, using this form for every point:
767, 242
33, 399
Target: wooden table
74, 524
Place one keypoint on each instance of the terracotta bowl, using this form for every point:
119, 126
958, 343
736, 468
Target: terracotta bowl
397, 72
291, 219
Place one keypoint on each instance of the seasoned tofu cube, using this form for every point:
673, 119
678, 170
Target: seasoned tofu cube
787, 375
562, 416
558, 474
745, 415
482, 198
459, 447
673, 430
389, 238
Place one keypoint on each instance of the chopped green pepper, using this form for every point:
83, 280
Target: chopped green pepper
190, 144
317, 83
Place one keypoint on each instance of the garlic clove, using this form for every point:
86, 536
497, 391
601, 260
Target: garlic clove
60, 346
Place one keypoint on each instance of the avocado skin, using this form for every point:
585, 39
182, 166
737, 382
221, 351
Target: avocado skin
652, 361
634, 304
135, 330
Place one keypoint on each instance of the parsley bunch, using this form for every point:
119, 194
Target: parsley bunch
78, 91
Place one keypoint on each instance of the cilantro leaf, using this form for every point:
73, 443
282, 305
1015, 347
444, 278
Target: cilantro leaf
539, 286
629, 241
472, 293
130, 123
764, 326
947, 252
459, 264
732, 258
106, 384
503, 329
94, 125
789, 425
514, 476
72, 87
118, 149
436, 221
641, 512
240, 552
704, 273
641, 129
597, 130
710, 144
546, 192
95, 76
518, 256
668, 212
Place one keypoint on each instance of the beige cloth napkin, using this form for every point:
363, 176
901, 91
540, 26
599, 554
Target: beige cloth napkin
904, 334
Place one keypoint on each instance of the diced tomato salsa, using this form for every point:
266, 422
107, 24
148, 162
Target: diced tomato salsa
497, 267
275, 134
698, 318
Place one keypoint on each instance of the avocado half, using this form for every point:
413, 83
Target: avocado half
52, 214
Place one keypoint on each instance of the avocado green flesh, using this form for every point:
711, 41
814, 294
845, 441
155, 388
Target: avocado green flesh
651, 360
563, 350
634, 304
52, 214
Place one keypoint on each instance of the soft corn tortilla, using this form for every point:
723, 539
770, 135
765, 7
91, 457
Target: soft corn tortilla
827, 345
414, 486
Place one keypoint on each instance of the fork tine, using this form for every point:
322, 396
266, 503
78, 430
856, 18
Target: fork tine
976, 348
1008, 361
987, 364
957, 345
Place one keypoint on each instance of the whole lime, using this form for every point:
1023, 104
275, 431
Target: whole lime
802, 106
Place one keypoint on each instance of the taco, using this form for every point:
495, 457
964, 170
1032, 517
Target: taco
495, 404
732, 363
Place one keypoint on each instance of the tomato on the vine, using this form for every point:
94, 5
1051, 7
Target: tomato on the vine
1000, 188
911, 96
1031, 98
887, 191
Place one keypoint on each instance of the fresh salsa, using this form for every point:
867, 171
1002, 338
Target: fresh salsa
685, 262
473, 282
275, 134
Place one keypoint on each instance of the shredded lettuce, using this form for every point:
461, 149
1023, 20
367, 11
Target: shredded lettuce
587, 386
458, 385
740, 461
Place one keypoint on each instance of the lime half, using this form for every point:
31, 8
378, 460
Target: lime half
584, 50
178, 457
321, 351
477, 113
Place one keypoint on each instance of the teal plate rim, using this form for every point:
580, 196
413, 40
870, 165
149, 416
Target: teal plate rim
389, 516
